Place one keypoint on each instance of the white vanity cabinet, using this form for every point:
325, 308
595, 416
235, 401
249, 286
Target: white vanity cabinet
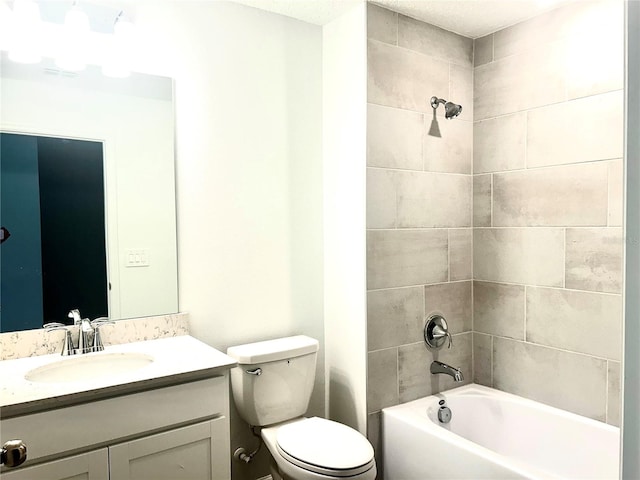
170, 433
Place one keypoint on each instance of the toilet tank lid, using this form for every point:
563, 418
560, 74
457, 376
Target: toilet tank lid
273, 350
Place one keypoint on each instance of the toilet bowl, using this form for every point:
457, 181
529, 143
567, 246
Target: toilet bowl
271, 387
318, 449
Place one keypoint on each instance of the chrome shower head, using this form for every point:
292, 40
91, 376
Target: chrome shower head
451, 110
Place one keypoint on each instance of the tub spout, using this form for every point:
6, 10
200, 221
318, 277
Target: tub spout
439, 367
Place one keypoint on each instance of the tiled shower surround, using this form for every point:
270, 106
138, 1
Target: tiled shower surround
507, 219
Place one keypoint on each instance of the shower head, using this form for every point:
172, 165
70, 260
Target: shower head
451, 110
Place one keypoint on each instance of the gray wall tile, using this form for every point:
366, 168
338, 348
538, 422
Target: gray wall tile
578, 131
453, 302
594, 259
483, 50
415, 379
482, 200
397, 258
585, 322
460, 254
434, 200
394, 138
382, 379
616, 192
499, 143
394, 317
381, 198
434, 41
482, 352
519, 255
452, 151
570, 381
374, 434
518, 82
613, 393
498, 309
461, 90
569, 195
398, 77
382, 24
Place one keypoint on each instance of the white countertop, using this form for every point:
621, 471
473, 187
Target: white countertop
175, 360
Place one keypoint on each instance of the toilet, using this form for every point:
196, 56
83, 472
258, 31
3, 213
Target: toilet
272, 386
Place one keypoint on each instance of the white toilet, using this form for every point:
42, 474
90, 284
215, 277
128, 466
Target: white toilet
272, 386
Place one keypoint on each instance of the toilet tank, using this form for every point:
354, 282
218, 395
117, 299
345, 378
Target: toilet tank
282, 389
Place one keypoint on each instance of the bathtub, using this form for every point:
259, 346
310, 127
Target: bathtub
494, 435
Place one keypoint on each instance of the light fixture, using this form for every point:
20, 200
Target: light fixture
118, 61
26, 32
74, 39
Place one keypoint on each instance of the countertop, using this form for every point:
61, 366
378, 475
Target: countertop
175, 360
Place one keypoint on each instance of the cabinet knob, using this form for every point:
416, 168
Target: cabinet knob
13, 453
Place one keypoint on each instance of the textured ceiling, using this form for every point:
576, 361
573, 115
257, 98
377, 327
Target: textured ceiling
471, 18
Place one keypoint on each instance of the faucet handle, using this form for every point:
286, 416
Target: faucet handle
51, 326
67, 344
101, 321
439, 332
98, 346
436, 331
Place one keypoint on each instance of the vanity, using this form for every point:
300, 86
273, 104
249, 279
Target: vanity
160, 411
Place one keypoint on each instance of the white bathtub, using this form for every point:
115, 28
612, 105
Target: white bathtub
494, 435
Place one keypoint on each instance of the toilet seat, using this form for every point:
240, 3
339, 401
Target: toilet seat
325, 447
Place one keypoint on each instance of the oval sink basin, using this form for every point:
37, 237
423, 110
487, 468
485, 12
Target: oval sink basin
88, 367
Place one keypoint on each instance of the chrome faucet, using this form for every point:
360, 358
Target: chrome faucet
89, 338
439, 367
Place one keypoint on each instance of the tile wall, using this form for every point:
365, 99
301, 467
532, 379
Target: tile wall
419, 206
532, 291
547, 164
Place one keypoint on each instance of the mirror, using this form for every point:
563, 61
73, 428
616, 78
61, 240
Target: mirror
131, 121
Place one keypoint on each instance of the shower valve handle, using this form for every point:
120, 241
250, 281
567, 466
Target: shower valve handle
439, 332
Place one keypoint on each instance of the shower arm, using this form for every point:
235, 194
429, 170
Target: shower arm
435, 102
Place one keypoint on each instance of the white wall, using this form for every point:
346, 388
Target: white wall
249, 178
344, 148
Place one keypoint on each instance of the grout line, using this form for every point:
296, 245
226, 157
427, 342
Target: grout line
546, 105
551, 347
564, 259
542, 167
449, 255
491, 198
606, 395
526, 140
391, 169
500, 282
525, 313
418, 285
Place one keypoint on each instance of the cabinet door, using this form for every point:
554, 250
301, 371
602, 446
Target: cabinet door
87, 466
196, 452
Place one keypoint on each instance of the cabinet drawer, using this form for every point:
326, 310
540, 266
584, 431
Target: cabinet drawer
76, 428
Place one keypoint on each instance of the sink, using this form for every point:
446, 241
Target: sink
88, 367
